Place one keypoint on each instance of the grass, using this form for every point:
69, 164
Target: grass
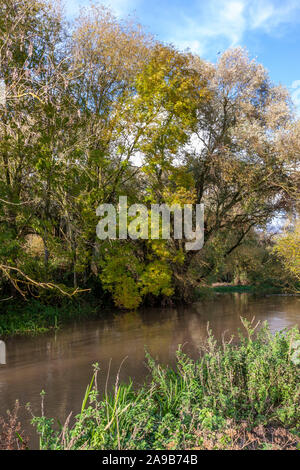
34, 317
207, 292
234, 396
251, 289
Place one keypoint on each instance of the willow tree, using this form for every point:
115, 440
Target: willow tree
107, 53
83, 102
228, 151
31, 68
161, 110
242, 174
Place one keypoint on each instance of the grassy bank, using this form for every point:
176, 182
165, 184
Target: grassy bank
209, 291
35, 317
233, 396
263, 289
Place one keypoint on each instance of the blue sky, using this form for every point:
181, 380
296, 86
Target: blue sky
270, 29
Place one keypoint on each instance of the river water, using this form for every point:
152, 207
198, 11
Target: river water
60, 362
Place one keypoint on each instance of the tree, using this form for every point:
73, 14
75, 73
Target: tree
82, 103
241, 173
287, 247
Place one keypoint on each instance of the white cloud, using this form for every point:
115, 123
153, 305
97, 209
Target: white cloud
260, 15
220, 24
220, 19
206, 27
268, 15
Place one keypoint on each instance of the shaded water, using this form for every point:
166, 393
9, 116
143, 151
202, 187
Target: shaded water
61, 362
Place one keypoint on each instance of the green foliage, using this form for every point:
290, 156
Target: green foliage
253, 265
37, 317
81, 103
287, 247
255, 382
130, 276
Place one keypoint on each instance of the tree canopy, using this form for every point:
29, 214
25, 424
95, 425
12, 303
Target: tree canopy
84, 103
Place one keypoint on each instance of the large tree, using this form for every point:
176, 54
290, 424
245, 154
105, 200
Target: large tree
82, 104
223, 135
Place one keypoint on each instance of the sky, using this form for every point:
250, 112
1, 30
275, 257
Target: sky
269, 29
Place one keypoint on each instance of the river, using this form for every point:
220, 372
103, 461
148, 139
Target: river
60, 362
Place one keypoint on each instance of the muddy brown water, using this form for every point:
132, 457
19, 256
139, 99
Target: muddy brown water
60, 362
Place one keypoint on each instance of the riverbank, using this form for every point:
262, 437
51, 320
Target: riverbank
232, 397
34, 317
263, 289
